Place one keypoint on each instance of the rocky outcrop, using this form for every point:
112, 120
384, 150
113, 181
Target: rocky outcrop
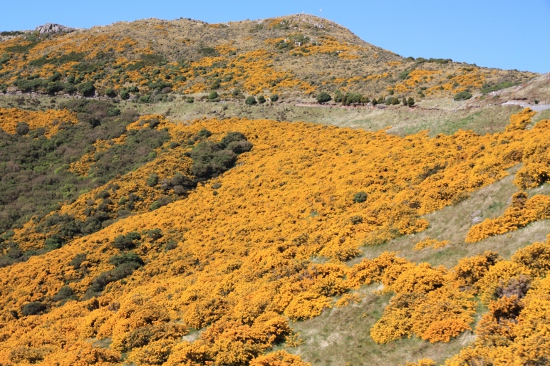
49, 28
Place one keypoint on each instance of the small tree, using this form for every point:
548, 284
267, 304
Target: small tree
250, 100
410, 101
274, 97
261, 99
323, 97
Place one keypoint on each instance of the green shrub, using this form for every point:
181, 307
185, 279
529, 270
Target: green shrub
110, 92
126, 265
64, 293
163, 201
261, 99
216, 84
359, 197
86, 89
404, 74
352, 98
213, 97
53, 242
77, 261
250, 100
154, 234
33, 308
124, 94
463, 95
117, 260
128, 241
274, 98
203, 134
170, 245
22, 128
210, 160
231, 137
208, 52
152, 180
338, 96
323, 98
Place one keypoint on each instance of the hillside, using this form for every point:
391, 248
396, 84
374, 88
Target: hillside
294, 57
157, 225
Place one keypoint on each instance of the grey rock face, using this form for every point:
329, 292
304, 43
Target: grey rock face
52, 28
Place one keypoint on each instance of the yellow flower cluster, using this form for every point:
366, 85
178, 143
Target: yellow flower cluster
50, 119
266, 242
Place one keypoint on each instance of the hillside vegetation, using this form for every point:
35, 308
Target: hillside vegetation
155, 210
270, 240
295, 56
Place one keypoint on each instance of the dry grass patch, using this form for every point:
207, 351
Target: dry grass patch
341, 336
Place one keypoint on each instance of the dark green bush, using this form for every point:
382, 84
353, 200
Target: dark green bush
53, 242
239, 147
153, 180
154, 234
213, 96
323, 97
463, 95
110, 92
117, 260
128, 241
86, 89
359, 197
274, 98
124, 94
78, 260
261, 99
203, 134
210, 160
208, 52
64, 293
250, 100
352, 98
33, 308
232, 137
163, 201
22, 128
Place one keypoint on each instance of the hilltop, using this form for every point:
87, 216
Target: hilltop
297, 57
150, 215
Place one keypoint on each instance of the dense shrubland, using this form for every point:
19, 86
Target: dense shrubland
116, 272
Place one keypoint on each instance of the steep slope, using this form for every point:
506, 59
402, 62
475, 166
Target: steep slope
294, 56
268, 241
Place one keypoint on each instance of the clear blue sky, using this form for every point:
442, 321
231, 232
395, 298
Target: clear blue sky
494, 33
